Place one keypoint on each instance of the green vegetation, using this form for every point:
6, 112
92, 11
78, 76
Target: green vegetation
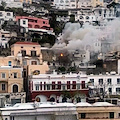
47, 38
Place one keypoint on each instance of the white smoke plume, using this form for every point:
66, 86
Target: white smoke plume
89, 37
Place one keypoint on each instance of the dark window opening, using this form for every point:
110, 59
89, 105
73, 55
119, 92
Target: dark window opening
83, 115
111, 114
33, 53
15, 88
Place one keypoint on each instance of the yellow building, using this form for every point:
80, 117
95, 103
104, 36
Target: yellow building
98, 111
11, 85
96, 3
28, 54
26, 1
11, 80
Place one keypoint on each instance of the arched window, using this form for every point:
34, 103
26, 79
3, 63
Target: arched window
52, 99
64, 99
15, 88
38, 99
29, 25
37, 26
78, 99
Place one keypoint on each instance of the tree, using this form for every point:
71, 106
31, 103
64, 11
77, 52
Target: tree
100, 91
72, 18
3, 4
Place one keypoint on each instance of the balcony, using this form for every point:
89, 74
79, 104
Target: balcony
60, 87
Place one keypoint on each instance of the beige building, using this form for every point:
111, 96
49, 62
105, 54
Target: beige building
11, 84
26, 1
98, 111
29, 56
11, 79
96, 3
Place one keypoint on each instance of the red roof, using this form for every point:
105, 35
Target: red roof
27, 43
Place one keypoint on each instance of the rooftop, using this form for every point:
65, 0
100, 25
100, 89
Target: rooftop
27, 43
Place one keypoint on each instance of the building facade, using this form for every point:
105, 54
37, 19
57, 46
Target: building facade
32, 111
58, 88
34, 24
11, 82
98, 111
5, 16
108, 84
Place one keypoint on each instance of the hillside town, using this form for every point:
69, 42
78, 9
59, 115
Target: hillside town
59, 59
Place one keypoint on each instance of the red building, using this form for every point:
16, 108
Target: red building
58, 88
33, 22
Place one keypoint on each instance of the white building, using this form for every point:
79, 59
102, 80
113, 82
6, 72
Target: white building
81, 57
5, 37
83, 18
84, 3
52, 87
103, 13
40, 111
108, 83
12, 3
5, 16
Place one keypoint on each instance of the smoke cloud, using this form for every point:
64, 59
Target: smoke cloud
89, 37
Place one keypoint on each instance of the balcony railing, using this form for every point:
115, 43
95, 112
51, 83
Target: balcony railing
60, 87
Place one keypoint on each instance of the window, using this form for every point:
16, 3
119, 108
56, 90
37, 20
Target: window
9, 63
68, 84
37, 99
44, 85
87, 17
6, 118
15, 75
33, 53
63, 87
101, 90
53, 85
15, 88
100, 81
73, 5
8, 14
78, 99
33, 62
36, 87
59, 85
1, 14
78, 86
24, 62
48, 87
83, 115
110, 90
24, 22
3, 87
23, 52
109, 81
119, 115
118, 80
3, 75
117, 90
83, 84
3, 36
111, 115
74, 85
52, 99
92, 81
